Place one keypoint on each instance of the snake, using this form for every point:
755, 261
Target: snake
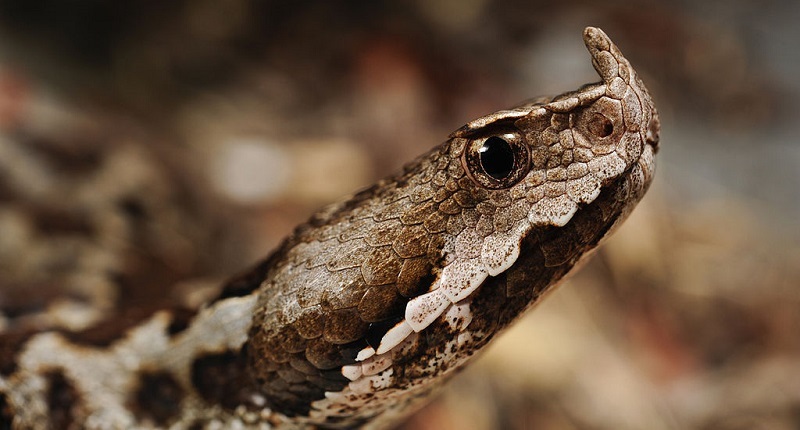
364, 311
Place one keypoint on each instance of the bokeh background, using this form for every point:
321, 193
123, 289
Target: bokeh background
688, 319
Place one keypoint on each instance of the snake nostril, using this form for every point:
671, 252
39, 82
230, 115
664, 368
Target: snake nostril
601, 126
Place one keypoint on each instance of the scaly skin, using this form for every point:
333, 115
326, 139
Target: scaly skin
378, 299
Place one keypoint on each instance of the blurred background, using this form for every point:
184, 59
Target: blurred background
689, 318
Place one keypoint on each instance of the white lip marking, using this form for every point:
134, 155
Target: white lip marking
394, 336
365, 353
501, 250
465, 245
422, 310
607, 166
458, 316
584, 189
378, 364
401, 350
374, 383
335, 396
460, 279
552, 210
463, 338
352, 371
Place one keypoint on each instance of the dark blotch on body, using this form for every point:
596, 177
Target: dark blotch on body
16, 298
222, 378
133, 208
6, 413
52, 221
181, 317
62, 400
10, 346
108, 331
79, 155
158, 397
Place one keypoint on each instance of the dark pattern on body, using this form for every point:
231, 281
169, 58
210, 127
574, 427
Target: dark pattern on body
157, 398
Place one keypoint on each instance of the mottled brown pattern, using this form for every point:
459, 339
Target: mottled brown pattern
63, 402
106, 332
104, 219
6, 414
19, 298
10, 345
221, 378
78, 156
181, 318
157, 397
54, 221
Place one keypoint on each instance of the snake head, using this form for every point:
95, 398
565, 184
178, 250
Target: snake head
521, 195
536, 166
388, 292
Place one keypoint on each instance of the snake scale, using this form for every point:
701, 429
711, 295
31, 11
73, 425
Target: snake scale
367, 308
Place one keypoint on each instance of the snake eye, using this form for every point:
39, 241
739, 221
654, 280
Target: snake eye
497, 158
498, 161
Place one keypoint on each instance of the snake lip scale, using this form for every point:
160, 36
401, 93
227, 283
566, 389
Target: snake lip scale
371, 305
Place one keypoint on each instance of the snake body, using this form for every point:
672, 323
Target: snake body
372, 304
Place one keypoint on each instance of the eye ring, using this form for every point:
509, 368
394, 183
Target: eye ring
497, 161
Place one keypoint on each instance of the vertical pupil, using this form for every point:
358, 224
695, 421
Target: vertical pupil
497, 158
